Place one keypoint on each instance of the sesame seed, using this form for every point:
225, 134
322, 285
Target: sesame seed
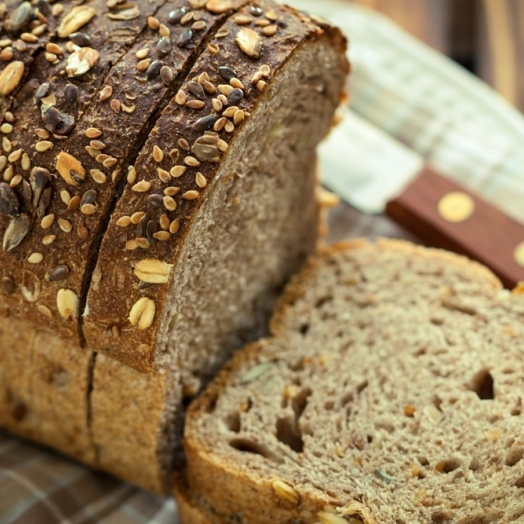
158, 154
219, 124
186, 18
98, 176
217, 105
136, 217
15, 156
143, 64
174, 227
28, 37
262, 23
6, 128
236, 83
142, 53
97, 144
47, 221
123, 221
142, 186
153, 23
74, 203
44, 310
164, 222
26, 162
225, 89
238, 117
9, 173
131, 245
106, 93
184, 144
48, 240
164, 31
229, 127
198, 26
169, 203
174, 154
191, 161
222, 32
181, 97
222, 145
54, 48
261, 85
131, 175
109, 162
16, 180
88, 209
230, 112
265, 70
82, 232
65, 225
243, 20
115, 105
213, 49
171, 191
65, 196
162, 236
35, 258
200, 180
42, 133
223, 99
164, 175
191, 195
93, 132
257, 77
43, 145
195, 104
270, 30
209, 88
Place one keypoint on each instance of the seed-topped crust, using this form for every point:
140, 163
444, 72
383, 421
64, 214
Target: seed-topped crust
85, 122
189, 126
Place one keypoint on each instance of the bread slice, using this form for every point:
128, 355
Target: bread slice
226, 187
389, 392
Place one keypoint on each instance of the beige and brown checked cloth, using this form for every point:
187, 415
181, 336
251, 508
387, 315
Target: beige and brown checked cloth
399, 85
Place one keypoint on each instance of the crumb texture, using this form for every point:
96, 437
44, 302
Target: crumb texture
389, 393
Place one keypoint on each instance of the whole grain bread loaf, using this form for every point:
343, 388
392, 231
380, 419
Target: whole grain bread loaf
390, 391
157, 190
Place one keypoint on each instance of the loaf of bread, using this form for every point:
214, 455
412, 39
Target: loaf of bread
389, 392
157, 190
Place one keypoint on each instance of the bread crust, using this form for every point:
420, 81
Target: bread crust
180, 123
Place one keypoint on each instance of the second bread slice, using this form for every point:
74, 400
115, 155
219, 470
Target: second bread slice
390, 392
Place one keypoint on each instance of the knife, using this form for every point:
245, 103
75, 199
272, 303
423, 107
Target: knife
376, 173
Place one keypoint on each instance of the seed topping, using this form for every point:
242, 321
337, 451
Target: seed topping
153, 271
142, 314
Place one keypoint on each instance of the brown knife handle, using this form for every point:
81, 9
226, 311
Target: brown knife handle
488, 235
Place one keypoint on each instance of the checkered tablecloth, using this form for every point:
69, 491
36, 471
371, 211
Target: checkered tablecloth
453, 120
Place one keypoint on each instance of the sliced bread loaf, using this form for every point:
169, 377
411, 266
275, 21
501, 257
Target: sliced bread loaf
390, 392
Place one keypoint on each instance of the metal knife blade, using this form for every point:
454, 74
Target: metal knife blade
374, 172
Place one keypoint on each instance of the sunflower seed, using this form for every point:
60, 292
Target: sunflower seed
235, 97
89, 197
81, 61
125, 14
16, 232
151, 229
9, 204
57, 121
219, 6
40, 179
30, 286
76, 18
41, 92
71, 94
67, 304
10, 77
205, 123
19, 18
166, 74
45, 200
196, 89
249, 42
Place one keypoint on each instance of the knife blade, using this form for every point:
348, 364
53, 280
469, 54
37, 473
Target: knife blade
376, 173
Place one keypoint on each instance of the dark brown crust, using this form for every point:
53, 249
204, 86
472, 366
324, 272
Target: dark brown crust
134, 346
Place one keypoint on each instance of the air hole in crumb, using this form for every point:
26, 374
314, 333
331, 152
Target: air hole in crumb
299, 402
329, 405
437, 402
322, 301
483, 385
514, 456
362, 387
248, 446
304, 328
233, 422
474, 465
420, 352
423, 461
516, 411
441, 516
520, 482
369, 439
298, 365
289, 434
448, 465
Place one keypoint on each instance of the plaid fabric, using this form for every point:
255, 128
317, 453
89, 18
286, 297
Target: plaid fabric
434, 107
40, 487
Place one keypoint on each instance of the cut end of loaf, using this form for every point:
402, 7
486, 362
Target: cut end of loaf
389, 393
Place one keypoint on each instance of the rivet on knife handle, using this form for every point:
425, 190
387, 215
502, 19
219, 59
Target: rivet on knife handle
444, 214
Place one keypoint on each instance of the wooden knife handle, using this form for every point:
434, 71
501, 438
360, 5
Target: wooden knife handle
444, 214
